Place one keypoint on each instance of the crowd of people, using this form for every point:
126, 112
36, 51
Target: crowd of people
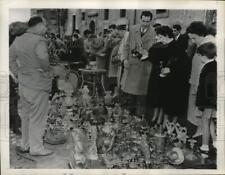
153, 66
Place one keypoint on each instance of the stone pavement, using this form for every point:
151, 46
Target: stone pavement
58, 160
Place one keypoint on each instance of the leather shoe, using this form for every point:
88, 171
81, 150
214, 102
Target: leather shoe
22, 150
44, 152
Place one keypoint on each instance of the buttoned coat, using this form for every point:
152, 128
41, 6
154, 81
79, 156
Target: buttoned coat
136, 75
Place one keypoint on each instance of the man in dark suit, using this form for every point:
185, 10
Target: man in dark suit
181, 44
180, 39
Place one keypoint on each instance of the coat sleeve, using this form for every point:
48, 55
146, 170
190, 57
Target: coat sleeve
207, 89
41, 51
86, 46
179, 62
153, 55
121, 52
13, 64
126, 47
156, 53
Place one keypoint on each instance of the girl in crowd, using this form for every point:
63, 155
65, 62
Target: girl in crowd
167, 80
207, 92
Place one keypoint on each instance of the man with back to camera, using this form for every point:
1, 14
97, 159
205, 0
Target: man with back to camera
29, 62
136, 72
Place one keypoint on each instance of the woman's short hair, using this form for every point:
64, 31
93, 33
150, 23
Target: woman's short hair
208, 50
156, 25
197, 28
165, 31
210, 31
33, 21
146, 13
177, 27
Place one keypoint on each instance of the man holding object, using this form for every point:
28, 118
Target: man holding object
137, 72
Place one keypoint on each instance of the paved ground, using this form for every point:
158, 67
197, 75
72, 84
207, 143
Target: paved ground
59, 160
63, 155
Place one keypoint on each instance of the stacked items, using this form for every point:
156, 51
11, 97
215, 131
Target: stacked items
57, 122
84, 140
125, 138
108, 133
132, 144
79, 114
63, 107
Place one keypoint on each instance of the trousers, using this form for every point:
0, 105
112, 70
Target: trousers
33, 110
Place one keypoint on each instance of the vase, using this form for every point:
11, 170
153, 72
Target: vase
160, 140
57, 137
108, 98
68, 101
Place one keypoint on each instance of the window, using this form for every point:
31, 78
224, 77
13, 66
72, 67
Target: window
106, 14
39, 11
74, 22
122, 13
83, 16
162, 13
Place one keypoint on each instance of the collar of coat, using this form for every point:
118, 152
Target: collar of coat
137, 28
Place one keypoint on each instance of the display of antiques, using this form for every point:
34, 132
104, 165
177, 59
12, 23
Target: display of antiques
104, 131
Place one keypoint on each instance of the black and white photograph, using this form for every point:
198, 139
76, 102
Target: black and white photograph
104, 88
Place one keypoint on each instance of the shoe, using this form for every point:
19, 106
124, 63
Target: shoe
165, 121
153, 120
116, 92
22, 150
212, 153
203, 153
17, 131
175, 120
44, 152
215, 144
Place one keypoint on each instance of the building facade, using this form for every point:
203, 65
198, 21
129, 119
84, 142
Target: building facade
56, 19
65, 21
99, 19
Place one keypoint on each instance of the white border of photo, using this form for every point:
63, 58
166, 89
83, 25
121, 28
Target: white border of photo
5, 5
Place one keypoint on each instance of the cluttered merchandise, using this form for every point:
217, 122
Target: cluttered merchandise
100, 128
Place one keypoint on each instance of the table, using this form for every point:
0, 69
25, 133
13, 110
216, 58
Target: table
95, 74
70, 65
